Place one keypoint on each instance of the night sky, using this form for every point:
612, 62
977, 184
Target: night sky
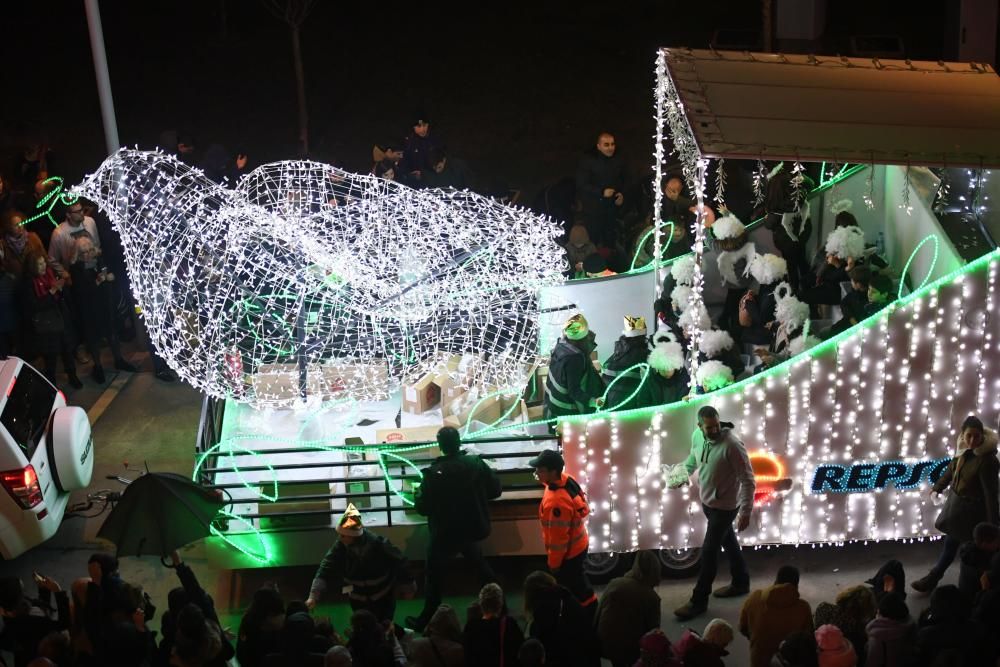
516, 89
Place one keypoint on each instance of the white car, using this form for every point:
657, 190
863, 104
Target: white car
46, 452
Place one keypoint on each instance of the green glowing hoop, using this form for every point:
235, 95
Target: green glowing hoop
510, 410
642, 381
642, 242
930, 271
388, 478
262, 556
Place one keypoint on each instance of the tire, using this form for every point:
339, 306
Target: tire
70, 447
679, 563
602, 567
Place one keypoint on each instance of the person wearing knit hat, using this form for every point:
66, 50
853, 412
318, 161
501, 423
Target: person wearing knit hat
833, 648
708, 649
573, 385
655, 650
629, 386
368, 566
578, 248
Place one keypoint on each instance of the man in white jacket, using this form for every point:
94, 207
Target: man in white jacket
726, 485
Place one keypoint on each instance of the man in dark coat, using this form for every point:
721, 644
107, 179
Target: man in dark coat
366, 565
600, 180
573, 385
26, 621
454, 495
631, 349
417, 147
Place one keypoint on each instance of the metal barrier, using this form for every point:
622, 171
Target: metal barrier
516, 481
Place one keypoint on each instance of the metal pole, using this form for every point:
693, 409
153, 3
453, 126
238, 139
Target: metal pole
101, 71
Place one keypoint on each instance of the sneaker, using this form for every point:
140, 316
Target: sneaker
74, 381
98, 374
731, 591
926, 584
414, 623
123, 365
689, 610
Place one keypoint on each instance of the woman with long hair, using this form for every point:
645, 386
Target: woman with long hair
972, 479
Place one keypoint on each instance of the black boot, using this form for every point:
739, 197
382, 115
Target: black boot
98, 374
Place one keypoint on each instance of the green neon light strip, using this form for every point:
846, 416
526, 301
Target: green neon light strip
645, 375
930, 271
263, 555
638, 247
52, 199
496, 394
388, 478
814, 351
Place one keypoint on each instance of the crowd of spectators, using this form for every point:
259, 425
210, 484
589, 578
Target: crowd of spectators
104, 620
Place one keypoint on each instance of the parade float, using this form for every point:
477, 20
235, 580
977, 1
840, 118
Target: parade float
336, 321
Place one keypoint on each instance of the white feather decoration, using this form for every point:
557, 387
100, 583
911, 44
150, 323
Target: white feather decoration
680, 295
768, 268
666, 357
802, 343
841, 205
791, 312
846, 243
682, 270
714, 341
727, 260
695, 317
728, 227
714, 375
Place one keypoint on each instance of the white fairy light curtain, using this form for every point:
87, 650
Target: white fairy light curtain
307, 276
844, 439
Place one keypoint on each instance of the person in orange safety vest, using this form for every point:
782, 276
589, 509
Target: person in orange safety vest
563, 515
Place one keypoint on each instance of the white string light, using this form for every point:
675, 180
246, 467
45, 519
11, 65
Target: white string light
360, 281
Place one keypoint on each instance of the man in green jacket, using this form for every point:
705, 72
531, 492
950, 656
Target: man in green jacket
366, 566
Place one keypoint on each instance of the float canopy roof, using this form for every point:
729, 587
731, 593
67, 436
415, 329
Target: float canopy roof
828, 108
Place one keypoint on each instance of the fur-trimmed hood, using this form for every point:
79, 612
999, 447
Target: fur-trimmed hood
989, 446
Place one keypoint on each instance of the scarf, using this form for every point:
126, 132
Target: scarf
44, 283
17, 242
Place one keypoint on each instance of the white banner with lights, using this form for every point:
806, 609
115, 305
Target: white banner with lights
843, 438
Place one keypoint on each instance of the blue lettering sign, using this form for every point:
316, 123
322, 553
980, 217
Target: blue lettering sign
865, 477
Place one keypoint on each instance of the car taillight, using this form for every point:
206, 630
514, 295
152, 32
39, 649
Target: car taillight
22, 485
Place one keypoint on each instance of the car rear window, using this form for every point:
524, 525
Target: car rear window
26, 413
